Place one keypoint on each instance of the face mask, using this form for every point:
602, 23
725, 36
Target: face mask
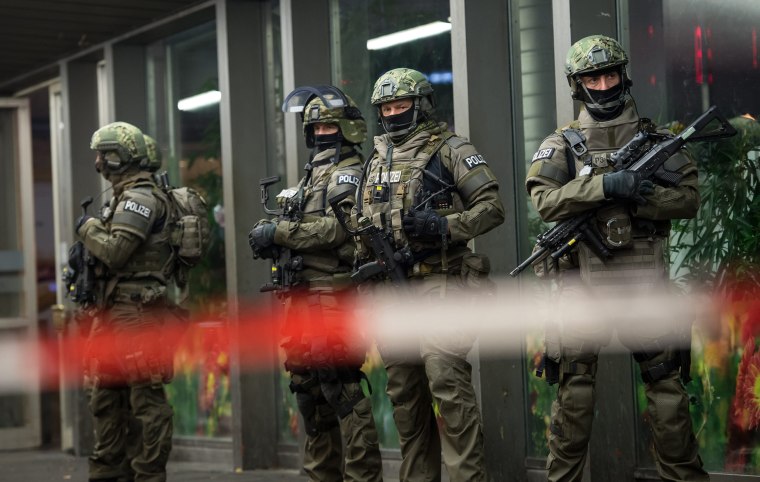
399, 125
326, 141
607, 104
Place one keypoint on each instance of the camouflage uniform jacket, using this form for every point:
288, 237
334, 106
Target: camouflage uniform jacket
472, 206
318, 236
132, 239
556, 196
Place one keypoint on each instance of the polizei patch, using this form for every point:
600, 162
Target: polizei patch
474, 161
393, 176
348, 179
543, 154
138, 208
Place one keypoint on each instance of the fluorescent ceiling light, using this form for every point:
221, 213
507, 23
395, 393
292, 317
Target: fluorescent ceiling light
408, 35
199, 101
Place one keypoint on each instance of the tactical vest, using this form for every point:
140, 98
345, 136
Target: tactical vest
393, 188
144, 276
327, 181
638, 247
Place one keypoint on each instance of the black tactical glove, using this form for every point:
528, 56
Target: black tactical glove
261, 239
80, 222
626, 185
425, 224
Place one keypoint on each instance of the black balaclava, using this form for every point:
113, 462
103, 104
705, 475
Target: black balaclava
400, 125
604, 105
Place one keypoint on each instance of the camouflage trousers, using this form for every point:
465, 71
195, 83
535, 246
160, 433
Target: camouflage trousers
133, 433
676, 448
440, 376
132, 417
341, 437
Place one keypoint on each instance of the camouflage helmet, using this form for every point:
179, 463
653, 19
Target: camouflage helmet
401, 84
154, 153
124, 139
591, 54
348, 119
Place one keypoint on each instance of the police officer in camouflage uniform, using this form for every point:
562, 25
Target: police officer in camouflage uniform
570, 173
325, 371
129, 362
433, 192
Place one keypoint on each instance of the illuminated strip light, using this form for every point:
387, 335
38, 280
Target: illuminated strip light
408, 35
199, 101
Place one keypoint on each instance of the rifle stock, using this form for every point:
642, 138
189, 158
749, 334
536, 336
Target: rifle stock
284, 264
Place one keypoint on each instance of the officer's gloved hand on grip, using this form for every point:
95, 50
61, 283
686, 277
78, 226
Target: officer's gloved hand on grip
424, 224
626, 185
80, 222
261, 239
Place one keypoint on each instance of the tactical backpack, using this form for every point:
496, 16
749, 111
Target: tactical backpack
189, 229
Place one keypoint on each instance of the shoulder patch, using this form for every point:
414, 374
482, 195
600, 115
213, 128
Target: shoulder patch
138, 208
348, 179
456, 142
474, 161
543, 154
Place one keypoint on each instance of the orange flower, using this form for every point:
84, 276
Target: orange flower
745, 410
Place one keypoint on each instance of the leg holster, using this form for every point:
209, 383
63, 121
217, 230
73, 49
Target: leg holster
653, 372
332, 381
308, 398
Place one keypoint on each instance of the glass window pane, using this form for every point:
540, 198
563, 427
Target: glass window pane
183, 74
686, 56
534, 87
11, 258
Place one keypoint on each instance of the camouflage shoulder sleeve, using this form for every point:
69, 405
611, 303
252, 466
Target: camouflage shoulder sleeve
136, 212
468, 168
345, 179
548, 166
477, 186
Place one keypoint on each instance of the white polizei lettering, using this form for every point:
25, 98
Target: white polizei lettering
348, 179
475, 160
393, 176
543, 154
137, 208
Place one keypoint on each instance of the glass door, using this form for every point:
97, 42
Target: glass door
19, 391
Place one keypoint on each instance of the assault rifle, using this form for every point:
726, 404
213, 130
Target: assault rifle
388, 260
284, 264
637, 156
79, 275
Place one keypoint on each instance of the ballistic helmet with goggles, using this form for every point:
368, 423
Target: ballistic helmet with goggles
597, 55
125, 141
325, 104
403, 83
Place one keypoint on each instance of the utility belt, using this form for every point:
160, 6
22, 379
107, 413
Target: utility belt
316, 280
431, 261
337, 282
147, 292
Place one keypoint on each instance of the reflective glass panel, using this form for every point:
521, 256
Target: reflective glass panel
687, 56
184, 119
534, 87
